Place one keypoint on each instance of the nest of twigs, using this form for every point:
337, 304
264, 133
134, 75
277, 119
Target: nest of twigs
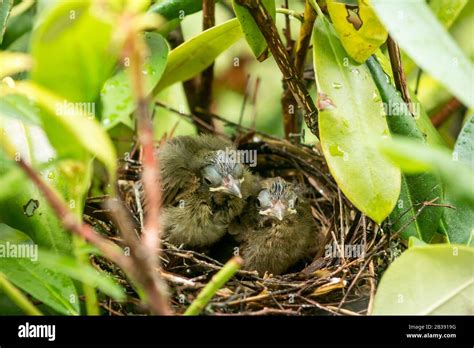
341, 279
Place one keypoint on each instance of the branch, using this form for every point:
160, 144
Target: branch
266, 25
204, 92
293, 124
302, 44
217, 281
398, 72
447, 110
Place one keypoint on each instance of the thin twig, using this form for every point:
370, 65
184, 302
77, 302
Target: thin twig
266, 25
398, 72
447, 110
204, 90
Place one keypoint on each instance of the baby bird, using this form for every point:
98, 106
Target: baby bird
276, 229
204, 187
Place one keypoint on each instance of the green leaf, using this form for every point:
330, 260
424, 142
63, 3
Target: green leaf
5, 9
413, 241
415, 188
19, 107
62, 119
174, 11
413, 157
84, 273
359, 29
428, 280
22, 205
252, 33
417, 31
196, 54
350, 121
51, 288
23, 270
459, 222
117, 102
72, 50
17, 27
447, 10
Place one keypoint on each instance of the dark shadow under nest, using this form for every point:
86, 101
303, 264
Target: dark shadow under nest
341, 279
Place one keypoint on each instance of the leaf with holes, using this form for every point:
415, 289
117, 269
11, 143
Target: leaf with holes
359, 29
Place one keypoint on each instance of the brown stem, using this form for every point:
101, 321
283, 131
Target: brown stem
292, 125
447, 110
150, 175
204, 92
304, 39
266, 25
398, 72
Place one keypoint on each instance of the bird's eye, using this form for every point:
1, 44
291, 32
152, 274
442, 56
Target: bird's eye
263, 199
211, 176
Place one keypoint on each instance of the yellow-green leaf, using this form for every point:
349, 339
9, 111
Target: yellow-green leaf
359, 29
428, 280
252, 33
196, 54
350, 121
64, 120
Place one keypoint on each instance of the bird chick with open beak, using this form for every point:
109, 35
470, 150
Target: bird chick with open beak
204, 187
276, 229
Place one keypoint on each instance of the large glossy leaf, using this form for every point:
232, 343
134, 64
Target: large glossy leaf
83, 272
415, 188
459, 222
359, 29
426, 41
5, 9
47, 286
252, 33
350, 121
22, 205
117, 102
414, 157
19, 107
54, 289
64, 120
447, 10
428, 280
17, 27
72, 50
197, 53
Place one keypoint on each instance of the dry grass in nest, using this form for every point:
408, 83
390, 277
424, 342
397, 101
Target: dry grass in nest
335, 283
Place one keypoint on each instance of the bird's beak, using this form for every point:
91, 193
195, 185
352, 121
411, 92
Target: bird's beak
232, 186
278, 211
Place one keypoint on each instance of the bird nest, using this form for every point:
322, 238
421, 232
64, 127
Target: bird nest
341, 279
